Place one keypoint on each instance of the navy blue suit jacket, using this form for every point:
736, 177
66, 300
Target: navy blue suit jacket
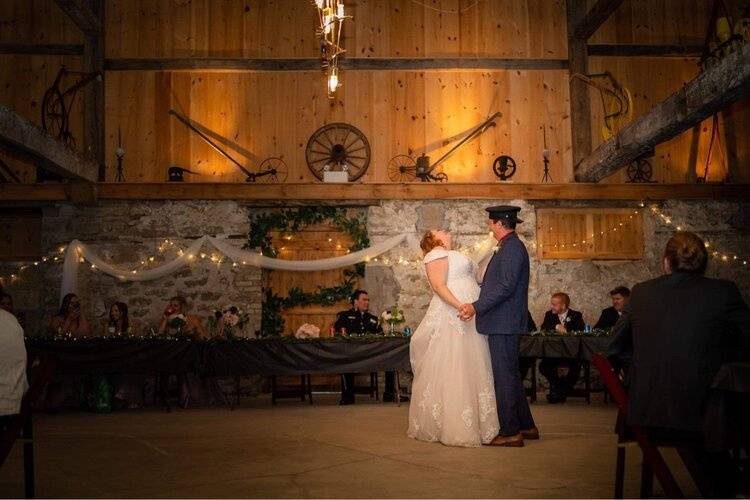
503, 304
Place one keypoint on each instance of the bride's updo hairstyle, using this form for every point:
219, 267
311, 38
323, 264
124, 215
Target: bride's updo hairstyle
429, 241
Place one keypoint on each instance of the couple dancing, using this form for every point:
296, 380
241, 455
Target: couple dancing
467, 390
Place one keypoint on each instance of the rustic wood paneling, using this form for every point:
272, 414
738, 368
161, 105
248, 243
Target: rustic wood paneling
312, 242
381, 28
586, 233
257, 115
20, 234
650, 81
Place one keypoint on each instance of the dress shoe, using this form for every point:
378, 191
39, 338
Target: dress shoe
514, 441
532, 433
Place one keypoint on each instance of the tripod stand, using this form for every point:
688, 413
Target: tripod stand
545, 157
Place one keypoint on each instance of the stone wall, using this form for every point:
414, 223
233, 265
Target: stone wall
126, 233
727, 224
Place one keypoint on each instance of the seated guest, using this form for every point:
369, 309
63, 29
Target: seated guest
6, 303
562, 374
177, 321
69, 319
680, 328
118, 322
610, 315
12, 366
356, 321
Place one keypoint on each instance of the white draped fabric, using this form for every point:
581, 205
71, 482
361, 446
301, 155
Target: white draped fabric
77, 251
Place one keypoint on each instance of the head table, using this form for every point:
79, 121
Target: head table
268, 356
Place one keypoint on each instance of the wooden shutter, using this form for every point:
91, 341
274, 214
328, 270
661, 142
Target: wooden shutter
589, 233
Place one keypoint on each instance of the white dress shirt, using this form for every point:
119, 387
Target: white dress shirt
12, 364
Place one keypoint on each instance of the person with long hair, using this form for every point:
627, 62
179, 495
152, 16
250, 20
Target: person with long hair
69, 320
118, 321
177, 321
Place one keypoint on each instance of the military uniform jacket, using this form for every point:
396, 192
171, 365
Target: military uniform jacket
503, 304
357, 322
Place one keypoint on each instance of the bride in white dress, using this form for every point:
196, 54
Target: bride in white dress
453, 394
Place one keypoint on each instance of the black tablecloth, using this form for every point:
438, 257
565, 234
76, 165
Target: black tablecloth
225, 358
270, 356
562, 346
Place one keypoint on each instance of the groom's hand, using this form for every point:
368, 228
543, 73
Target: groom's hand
466, 312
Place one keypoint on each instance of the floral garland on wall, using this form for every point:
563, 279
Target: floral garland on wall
289, 222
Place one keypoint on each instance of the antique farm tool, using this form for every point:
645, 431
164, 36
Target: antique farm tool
57, 103
617, 102
504, 167
270, 170
338, 147
403, 168
640, 170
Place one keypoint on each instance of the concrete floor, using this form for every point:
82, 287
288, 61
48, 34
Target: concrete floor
301, 451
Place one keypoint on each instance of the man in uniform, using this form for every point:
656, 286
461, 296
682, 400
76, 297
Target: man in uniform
356, 321
502, 312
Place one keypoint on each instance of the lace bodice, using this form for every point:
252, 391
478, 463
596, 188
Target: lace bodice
460, 267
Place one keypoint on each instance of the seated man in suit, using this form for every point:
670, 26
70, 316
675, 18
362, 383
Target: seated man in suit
355, 321
562, 374
680, 329
610, 315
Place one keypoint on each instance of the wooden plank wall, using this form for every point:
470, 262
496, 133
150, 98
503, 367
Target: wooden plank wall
262, 114
24, 78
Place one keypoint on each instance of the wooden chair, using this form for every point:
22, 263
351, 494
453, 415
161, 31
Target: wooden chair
20, 425
653, 462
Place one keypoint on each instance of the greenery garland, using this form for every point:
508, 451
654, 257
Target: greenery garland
291, 221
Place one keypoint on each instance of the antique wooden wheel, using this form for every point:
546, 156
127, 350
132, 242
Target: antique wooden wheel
338, 147
55, 116
271, 169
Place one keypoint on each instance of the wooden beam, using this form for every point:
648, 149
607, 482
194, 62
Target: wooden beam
312, 64
705, 95
52, 49
82, 16
360, 192
599, 13
20, 135
93, 94
580, 104
632, 50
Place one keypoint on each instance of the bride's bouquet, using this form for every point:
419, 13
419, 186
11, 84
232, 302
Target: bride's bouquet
392, 317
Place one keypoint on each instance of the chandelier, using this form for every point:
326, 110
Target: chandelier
331, 15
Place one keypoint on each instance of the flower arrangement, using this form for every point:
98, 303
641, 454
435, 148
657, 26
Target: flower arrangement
307, 331
228, 321
392, 317
177, 321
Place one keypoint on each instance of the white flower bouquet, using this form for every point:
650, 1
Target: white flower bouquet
228, 321
307, 331
392, 317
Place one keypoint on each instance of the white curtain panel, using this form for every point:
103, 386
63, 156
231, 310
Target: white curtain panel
77, 251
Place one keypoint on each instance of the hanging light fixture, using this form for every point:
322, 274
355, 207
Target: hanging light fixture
331, 15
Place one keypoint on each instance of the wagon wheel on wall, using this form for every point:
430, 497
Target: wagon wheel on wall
338, 147
54, 115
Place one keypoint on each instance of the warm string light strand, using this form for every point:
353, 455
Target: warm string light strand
715, 253
591, 240
414, 262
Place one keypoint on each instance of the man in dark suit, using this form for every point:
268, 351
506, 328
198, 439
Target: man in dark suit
502, 312
610, 315
561, 373
680, 328
355, 321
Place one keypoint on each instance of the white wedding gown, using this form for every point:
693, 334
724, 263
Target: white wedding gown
453, 394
